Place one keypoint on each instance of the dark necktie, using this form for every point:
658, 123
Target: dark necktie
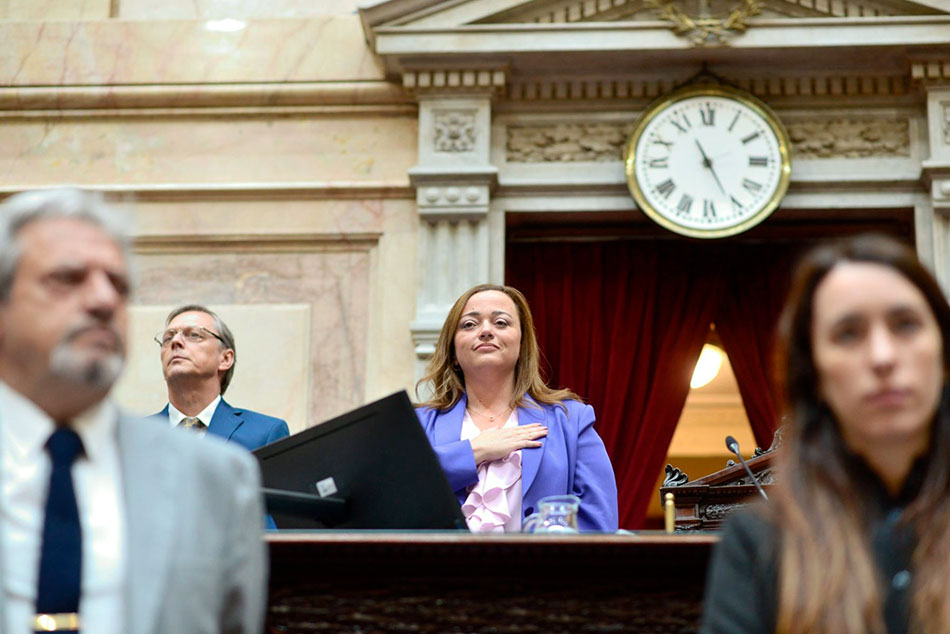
57, 597
192, 422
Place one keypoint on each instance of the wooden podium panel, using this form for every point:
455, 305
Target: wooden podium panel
458, 582
706, 503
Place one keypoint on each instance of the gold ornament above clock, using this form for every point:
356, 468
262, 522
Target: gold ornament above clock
697, 20
708, 161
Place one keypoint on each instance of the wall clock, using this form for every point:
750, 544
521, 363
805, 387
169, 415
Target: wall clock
708, 161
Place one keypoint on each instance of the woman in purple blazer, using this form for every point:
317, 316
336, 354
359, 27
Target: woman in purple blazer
503, 437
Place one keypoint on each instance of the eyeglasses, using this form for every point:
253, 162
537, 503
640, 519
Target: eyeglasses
189, 334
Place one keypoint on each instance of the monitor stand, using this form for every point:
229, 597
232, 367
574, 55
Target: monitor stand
329, 511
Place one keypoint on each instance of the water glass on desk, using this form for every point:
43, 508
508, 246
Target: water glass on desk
556, 514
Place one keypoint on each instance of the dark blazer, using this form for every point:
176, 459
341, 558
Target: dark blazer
571, 459
243, 426
742, 584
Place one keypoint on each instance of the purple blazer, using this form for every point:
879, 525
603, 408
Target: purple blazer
571, 459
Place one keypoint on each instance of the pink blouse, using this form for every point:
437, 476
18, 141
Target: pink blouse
494, 502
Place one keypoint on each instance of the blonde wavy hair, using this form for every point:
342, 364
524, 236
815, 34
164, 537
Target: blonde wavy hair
448, 380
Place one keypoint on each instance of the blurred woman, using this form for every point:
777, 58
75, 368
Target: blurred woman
856, 535
503, 437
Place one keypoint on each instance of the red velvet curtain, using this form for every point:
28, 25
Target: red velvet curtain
622, 324
757, 282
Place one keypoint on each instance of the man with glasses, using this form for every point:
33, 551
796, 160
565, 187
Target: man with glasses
108, 524
198, 357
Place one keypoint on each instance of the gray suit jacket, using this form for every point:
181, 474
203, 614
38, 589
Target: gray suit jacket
195, 559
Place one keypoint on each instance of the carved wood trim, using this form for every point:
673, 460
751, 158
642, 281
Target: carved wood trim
414, 582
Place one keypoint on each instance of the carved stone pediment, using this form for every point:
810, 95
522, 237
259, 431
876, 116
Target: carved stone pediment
529, 38
543, 11
452, 13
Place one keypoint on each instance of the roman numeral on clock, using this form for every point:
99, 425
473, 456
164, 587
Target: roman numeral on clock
709, 209
685, 203
758, 161
660, 162
751, 186
749, 139
708, 115
666, 188
733, 124
681, 123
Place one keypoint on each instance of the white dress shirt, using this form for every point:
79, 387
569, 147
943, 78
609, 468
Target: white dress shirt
24, 483
205, 416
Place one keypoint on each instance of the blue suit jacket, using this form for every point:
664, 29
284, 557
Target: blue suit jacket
242, 426
571, 459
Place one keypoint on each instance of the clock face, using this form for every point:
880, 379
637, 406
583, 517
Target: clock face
708, 162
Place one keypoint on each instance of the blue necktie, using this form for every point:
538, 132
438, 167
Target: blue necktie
61, 554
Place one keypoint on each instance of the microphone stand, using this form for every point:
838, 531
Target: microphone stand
733, 446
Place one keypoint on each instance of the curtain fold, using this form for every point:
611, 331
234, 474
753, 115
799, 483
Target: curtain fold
622, 324
746, 322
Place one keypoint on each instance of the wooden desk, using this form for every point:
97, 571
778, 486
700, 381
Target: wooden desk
457, 582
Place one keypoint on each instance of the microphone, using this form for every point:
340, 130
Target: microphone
733, 446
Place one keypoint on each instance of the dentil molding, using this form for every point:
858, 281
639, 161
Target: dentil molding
626, 88
449, 81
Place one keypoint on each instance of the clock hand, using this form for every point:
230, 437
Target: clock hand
708, 164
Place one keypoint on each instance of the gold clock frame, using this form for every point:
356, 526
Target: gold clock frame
656, 108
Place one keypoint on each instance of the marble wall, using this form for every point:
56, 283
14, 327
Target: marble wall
116, 53
196, 149
170, 9
211, 9
262, 156
270, 339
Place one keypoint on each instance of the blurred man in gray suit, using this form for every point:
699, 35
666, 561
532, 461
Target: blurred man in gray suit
107, 524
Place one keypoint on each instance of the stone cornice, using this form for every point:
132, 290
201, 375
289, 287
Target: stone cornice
313, 190
245, 96
255, 243
804, 33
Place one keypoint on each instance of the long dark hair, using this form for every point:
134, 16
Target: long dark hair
827, 579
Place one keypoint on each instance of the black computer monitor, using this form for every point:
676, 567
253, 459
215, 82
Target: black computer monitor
373, 467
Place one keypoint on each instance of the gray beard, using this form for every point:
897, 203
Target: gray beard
69, 365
